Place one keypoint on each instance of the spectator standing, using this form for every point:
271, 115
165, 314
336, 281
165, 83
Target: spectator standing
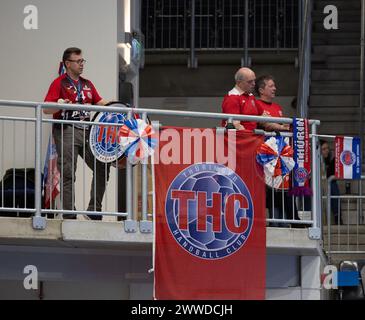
70, 140
240, 100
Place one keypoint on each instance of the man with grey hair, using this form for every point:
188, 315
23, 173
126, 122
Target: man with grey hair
240, 99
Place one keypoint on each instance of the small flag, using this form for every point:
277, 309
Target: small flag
51, 180
276, 156
347, 158
61, 69
51, 175
136, 140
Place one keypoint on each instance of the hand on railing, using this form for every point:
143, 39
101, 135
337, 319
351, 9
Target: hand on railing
64, 101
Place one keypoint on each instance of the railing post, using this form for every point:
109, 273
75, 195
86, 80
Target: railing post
300, 28
362, 66
130, 225
145, 226
39, 222
246, 62
315, 231
193, 63
329, 181
304, 60
361, 104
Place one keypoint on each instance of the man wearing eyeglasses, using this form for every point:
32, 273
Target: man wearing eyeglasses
240, 99
72, 140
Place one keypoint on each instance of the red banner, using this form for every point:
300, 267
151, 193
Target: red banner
210, 235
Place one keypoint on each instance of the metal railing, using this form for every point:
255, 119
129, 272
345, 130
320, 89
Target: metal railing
286, 210
220, 24
131, 224
305, 59
362, 74
345, 233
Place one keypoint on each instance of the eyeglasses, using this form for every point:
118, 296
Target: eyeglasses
80, 61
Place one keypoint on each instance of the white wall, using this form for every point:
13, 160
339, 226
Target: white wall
293, 277
29, 58
29, 61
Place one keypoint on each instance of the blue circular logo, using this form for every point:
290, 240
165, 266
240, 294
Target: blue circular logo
104, 142
209, 211
348, 158
301, 175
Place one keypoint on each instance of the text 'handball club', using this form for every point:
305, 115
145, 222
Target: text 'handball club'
209, 211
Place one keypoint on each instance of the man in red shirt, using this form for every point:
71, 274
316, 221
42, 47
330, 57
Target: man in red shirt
240, 99
266, 89
72, 88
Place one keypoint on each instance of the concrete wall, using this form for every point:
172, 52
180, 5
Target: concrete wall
87, 253
76, 273
123, 274
56, 290
167, 74
167, 83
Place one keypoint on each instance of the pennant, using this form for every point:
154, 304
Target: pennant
51, 175
347, 158
61, 69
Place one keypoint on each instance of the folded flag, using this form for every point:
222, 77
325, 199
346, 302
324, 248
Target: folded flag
51, 174
136, 140
276, 156
347, 158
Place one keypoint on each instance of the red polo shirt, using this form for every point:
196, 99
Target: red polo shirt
65, 88
269, 109
236, 103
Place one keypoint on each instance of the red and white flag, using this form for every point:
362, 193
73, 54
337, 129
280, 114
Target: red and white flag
210, 235
347, 158
51, 175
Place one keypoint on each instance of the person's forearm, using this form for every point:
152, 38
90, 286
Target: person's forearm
102, 102
276, 127
238, 125
50, 111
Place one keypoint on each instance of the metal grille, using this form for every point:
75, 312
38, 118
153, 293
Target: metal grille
220, 24
29, 202
345, 234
